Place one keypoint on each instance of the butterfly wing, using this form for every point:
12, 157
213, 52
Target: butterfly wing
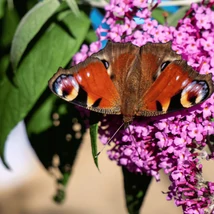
124, 66
173, 84
120, 58
88, 85
125, 79
96, 83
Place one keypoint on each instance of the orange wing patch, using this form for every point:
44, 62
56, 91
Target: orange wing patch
175, 89
89, 86
170, 82
96, 82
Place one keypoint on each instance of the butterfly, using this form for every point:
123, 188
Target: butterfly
133, 81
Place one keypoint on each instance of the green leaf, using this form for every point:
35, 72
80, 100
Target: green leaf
10, 19
158, 15
61, 191
73, 6
135, 186
4, 63
91, 36
93, 121
29, 26
41, 119
58, 145
54, 48
2, 8
60, 196
93, 135
9, 24
175, 17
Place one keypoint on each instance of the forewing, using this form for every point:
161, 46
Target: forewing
173, 84
88, 85
119, 58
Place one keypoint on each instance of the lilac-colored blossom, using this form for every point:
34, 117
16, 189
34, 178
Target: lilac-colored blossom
173, 143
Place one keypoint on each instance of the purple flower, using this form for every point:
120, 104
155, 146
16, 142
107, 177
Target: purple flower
173, 143
207, 43
203, 21
128, 26
195, 131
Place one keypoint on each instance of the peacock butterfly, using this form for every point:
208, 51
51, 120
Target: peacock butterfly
133, 81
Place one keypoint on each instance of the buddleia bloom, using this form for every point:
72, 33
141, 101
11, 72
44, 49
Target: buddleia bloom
174, 142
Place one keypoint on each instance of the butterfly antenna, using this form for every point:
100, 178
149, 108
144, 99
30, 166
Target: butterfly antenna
110, 140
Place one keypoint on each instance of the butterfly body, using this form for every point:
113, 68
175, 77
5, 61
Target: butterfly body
133, 81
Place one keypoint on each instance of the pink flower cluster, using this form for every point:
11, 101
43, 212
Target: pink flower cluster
173, 143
